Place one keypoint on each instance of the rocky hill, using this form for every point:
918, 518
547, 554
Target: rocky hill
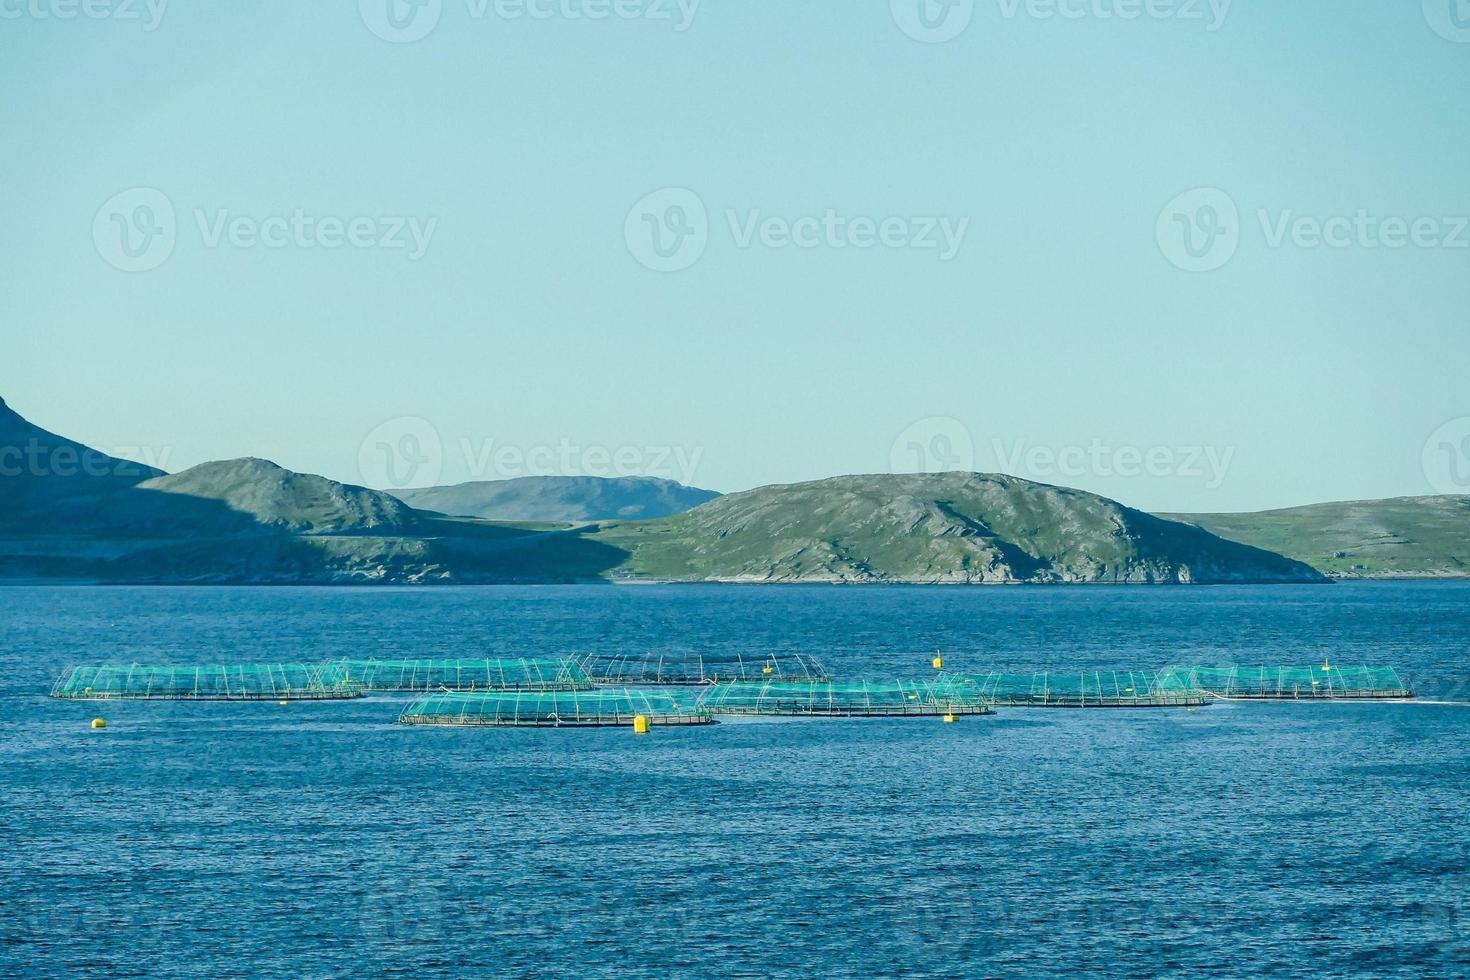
43, 475
948, 527
251, 521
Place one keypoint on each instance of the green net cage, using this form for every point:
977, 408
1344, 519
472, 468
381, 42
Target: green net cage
846, 699
554, 709
1326, 681
212, 682
466, 675
1084, 689
689, 667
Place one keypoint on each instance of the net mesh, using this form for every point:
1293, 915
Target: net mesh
466, 675
215, 682
845, 698
690, 667
1084, 689
561, 709
1324, 680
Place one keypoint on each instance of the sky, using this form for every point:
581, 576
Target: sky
1193, 256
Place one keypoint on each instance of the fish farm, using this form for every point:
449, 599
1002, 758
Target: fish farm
696, 668
1086, 689
1325, 681
566, 693
466, 675
555, 709
238, 682
845, 699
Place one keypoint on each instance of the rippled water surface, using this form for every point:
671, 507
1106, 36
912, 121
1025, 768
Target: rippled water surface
322, 840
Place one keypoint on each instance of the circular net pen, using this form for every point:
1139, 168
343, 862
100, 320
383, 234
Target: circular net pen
553, 709
1325, 681
845, 699
212, 682
689, 667
466, 675
1084, 689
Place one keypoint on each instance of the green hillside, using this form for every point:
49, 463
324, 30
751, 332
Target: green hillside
949, 527
273, 497
251, 521
1401, 537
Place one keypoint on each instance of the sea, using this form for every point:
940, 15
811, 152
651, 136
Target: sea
325, 840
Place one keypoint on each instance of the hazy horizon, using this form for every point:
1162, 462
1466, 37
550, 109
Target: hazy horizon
1195, 257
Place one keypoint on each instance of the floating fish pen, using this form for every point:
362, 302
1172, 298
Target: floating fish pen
845, 699
554, 709
466, 675
237, 682
688, 667
1085, 689
1326, 681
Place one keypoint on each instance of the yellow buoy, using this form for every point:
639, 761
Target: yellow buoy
938, 661
284, 703
640, 724
99, 722
951, 719
768, 669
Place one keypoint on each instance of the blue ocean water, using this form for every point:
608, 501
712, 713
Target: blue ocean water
321, 840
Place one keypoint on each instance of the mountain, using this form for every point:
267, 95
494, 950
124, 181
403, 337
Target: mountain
566, 499
252, 521
947, 527
273, 497
1401, 537
40, 470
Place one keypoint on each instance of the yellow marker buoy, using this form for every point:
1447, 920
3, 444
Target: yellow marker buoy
283, 703
938, 661
99, 722
640, 724
768, 669
951, 719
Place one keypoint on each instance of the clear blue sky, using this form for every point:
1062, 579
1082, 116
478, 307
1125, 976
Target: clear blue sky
1062, 324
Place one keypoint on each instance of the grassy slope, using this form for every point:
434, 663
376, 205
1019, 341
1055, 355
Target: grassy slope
952, 527
1398, 537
